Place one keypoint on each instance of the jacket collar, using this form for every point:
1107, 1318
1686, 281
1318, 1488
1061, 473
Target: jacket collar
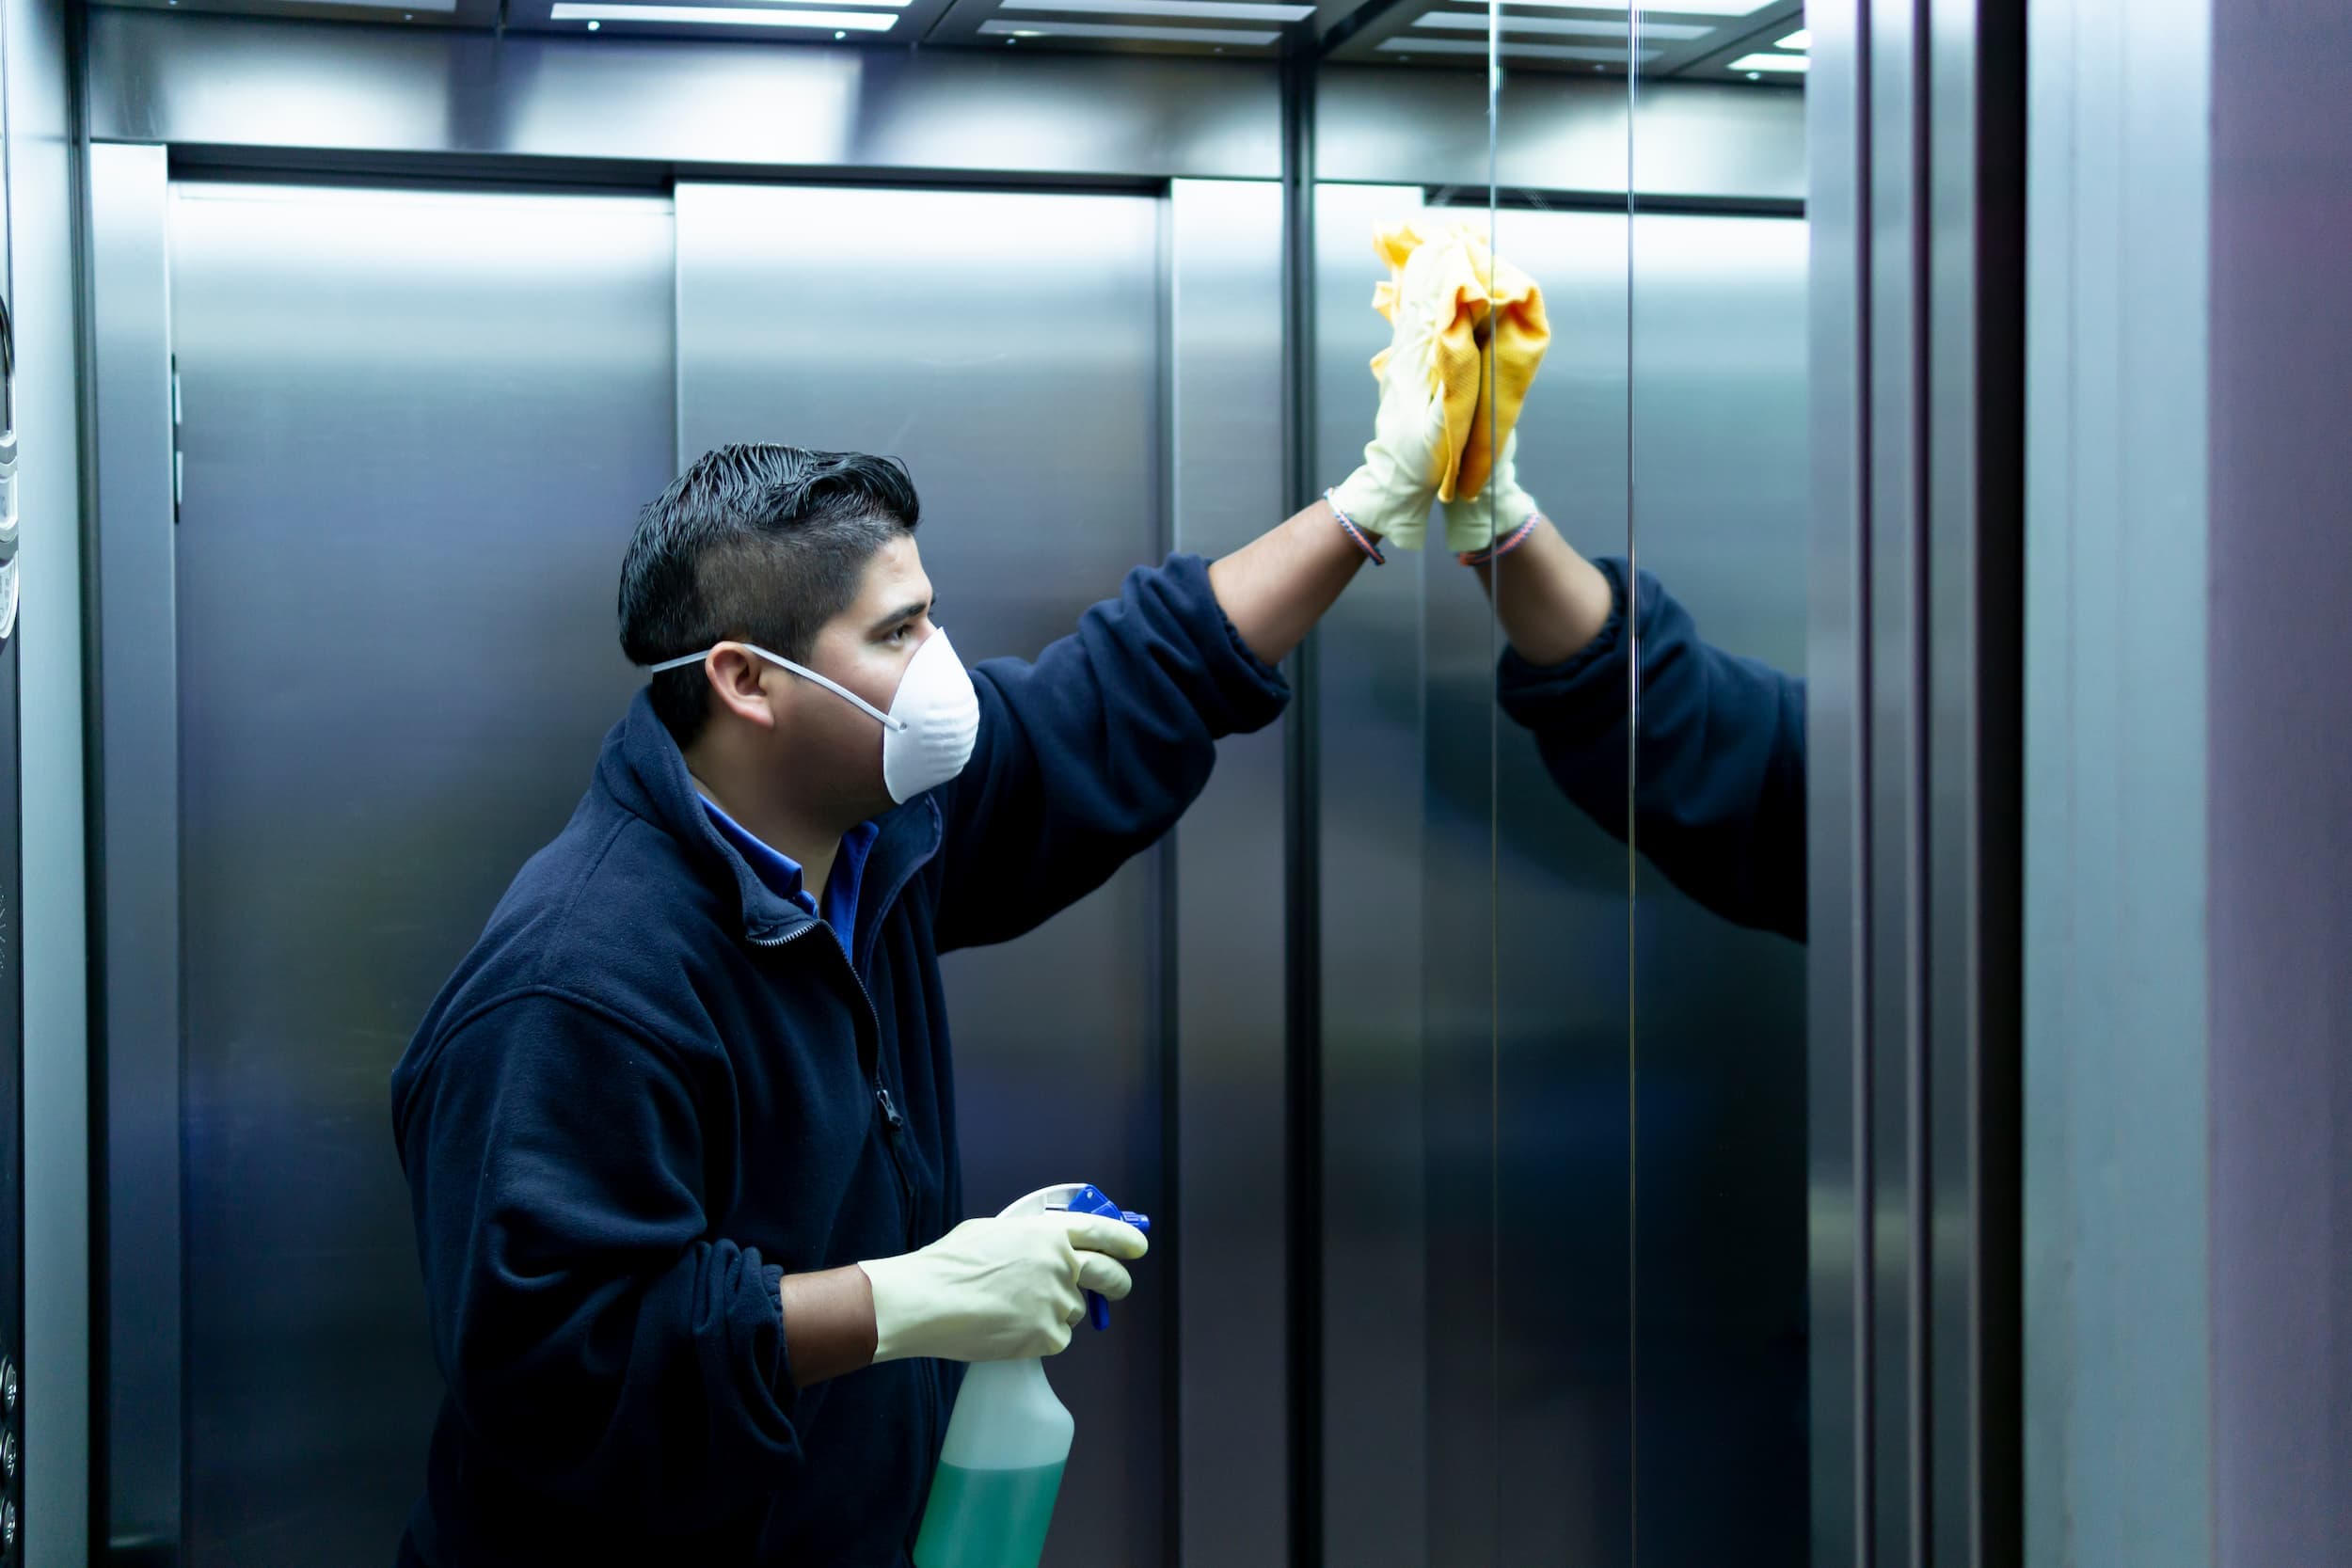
643, 772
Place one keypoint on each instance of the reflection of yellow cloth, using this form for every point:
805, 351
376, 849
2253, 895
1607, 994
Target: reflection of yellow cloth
1468, 288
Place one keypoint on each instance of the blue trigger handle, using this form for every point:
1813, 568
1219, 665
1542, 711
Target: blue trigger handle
1090, 1200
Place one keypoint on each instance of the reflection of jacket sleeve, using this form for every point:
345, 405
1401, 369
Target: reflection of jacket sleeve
1093, 751
1720, 800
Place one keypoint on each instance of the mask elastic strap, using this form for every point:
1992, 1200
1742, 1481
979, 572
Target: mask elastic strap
801, 670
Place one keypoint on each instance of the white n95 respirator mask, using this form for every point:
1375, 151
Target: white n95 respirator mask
933, 721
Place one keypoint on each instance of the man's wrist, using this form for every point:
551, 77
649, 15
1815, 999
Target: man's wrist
828, 1325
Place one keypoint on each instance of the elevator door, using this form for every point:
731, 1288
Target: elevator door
1007, 347
416, 430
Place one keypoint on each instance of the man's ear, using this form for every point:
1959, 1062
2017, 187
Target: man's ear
738, 684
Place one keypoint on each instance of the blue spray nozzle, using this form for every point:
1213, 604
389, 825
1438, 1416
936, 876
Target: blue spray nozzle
1090, 1200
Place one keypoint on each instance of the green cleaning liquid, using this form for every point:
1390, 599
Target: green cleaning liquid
1000, 1463
988, 1518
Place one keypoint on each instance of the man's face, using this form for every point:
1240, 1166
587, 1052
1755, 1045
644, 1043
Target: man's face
831, 749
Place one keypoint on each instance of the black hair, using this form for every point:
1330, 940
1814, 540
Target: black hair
752, 543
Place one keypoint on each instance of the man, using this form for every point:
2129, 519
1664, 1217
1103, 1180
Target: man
1719, 773
680, 1131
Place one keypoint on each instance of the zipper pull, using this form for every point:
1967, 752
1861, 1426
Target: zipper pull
890, 1112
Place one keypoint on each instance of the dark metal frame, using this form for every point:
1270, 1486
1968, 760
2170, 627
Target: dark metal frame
1918, 208
1303, 1044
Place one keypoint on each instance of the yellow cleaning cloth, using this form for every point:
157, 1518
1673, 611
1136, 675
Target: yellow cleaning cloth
1491, 333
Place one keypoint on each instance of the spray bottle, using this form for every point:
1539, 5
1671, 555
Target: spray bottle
1000, 1466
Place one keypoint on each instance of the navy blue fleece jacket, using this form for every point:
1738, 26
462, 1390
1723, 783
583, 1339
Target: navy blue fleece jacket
655, 1086
1718, 798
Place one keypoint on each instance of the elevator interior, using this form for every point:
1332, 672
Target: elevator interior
1479, 1150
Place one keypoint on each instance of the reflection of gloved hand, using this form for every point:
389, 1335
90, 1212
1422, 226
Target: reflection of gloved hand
1411, 452
1000, 1289
1496, 513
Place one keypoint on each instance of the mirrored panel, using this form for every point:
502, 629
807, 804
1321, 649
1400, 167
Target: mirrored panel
1476, 1043
1562, 1069
1719, 471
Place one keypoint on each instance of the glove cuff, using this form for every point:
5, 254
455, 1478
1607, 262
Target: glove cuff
1501, 546
1475, 525
1381, 500
894, 1320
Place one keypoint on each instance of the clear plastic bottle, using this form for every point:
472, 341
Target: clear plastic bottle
1000, 1468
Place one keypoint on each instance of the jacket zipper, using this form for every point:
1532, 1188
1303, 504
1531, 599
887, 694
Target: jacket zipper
894, 1125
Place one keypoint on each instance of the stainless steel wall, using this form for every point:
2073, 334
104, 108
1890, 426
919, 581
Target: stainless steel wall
137, 846
1564, 1148
1372, 702
1720, 513
1564, 1039
273, 82
1229, 1094
1079, 380
410, 470
43, 177
407, 468
1008, 347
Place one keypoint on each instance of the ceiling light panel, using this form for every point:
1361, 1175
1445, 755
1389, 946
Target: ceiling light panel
1523, 51
1791, 63
1475, 21
1228, 10
1800, 39
1138, 35
1679, 7
728, 16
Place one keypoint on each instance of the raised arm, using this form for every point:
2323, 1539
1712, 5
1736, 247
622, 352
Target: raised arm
1719, 777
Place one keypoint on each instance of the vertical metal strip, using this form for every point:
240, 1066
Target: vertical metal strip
95, 1510
1167, 958
1226, 1116
139, 1282
1933, 475
1632, 815
1303, 948
1892, 694
1973, 377
1837, 111
1920, 1052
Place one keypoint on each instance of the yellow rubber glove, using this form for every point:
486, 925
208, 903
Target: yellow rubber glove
1000, 1290
1475, 523
1503, 315
1410, 454
1470, 335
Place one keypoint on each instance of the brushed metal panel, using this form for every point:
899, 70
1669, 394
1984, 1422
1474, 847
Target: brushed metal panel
1894, 537
2280, 930
1562, 972
1007, 347
234, 81
44, 179
2121, 780
1837, 903
140, 812
1406, 125
410, 475
1225, 282
1378, 1311
1721, 514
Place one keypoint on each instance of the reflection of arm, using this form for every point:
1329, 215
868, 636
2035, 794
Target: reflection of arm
1720, 796
1551, 600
